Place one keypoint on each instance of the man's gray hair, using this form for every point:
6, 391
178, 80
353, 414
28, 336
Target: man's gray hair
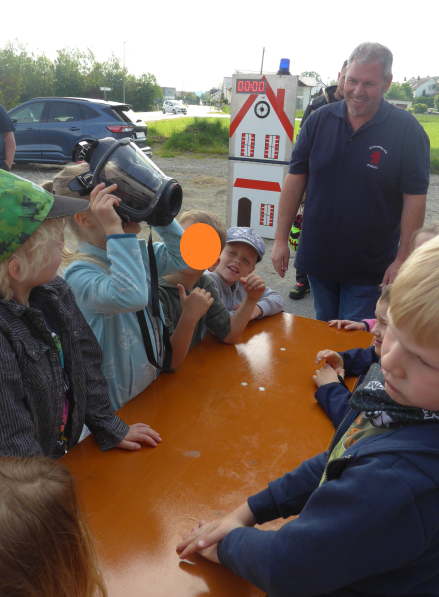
370, 52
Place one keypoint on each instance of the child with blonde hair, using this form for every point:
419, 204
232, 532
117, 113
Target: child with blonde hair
45, 546
111, 280
50, 361
368, 508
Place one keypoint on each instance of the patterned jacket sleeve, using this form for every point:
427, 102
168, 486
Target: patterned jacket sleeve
17, 432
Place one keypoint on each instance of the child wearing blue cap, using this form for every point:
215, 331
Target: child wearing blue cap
244, 249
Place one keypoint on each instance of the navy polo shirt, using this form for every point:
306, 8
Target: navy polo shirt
354, 194
6, 126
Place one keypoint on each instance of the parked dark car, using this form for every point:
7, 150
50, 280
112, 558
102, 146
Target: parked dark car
49, 130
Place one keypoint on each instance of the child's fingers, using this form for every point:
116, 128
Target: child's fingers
333, 322
126, 444
182, 293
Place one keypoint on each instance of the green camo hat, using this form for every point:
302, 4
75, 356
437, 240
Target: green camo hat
23, 208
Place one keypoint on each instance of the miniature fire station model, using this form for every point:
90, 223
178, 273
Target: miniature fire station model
261, 138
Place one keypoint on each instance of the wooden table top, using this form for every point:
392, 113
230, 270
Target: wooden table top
231, 418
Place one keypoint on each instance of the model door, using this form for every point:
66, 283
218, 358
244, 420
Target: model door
62, 131
27, 122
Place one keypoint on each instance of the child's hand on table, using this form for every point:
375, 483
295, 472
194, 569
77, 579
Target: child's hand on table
254, 286
327, 375
347, 325
332, 357
196, 304
205, 538
139, 432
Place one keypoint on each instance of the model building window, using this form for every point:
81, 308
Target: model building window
267, 214
271, 147
248, 145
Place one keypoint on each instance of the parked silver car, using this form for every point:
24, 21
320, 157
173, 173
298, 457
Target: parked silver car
174, 106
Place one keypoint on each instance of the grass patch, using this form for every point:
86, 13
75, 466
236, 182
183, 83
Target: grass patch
299, 113
190, 135
430, 122
210, 136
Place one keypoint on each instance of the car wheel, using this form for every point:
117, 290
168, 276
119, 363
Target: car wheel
174, 111
164, 111
80, 151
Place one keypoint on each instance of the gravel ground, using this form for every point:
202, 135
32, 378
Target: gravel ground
204, 183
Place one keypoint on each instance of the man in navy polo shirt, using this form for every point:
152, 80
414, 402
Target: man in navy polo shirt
365, 165
7, 140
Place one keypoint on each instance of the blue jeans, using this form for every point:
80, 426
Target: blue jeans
334, 300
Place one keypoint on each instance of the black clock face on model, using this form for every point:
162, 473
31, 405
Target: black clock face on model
262, 109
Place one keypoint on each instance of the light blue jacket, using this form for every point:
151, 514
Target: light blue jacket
109, 302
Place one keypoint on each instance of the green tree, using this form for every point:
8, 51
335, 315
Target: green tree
420, 108
311, 73
11, 79
70, 73
402, 91
39, 77
144, 92
436, 102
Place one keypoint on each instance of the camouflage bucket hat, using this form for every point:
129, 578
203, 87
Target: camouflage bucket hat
23, 208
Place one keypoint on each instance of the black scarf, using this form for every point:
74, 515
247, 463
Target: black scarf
372, 399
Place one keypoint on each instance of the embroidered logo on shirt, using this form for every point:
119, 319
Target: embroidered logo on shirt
375, 156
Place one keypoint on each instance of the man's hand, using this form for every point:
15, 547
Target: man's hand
332, 357
391, 272
327, 375
196, 304
139, 432
209, 534
254, 286
280, 256
347, 325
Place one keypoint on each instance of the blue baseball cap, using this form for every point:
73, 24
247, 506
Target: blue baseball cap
239, 234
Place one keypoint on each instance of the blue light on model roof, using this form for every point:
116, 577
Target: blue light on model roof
284, 67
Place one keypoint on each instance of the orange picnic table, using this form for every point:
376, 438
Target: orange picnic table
231, 418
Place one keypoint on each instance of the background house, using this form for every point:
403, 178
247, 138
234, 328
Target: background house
420, 84
227, 88
400, 103
169, 93
304, 89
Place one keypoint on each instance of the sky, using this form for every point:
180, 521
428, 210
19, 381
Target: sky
192, 45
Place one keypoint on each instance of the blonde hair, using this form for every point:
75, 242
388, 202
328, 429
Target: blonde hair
45, 546
33, 255
431, 228
59, 186
385, 294
207, 217
415, 294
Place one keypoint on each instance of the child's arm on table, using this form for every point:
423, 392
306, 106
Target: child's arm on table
283, 563
110, 431
365, 324
194, 307
254, 287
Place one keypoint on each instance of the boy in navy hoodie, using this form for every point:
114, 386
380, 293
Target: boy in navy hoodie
369, 506
332, 394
